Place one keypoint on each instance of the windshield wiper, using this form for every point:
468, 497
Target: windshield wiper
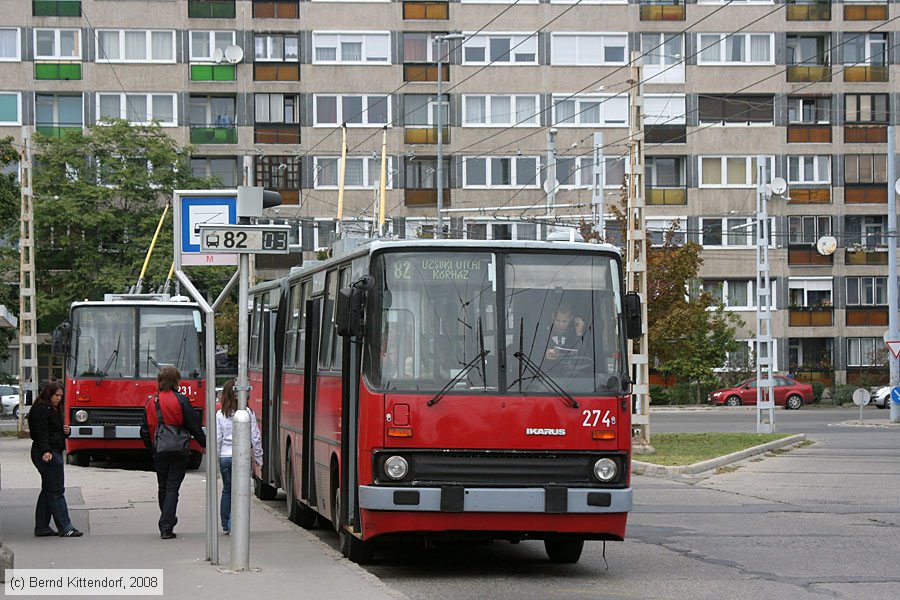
458, 377
112, 357
545, 379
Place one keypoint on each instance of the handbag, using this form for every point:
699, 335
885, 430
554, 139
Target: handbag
169, 438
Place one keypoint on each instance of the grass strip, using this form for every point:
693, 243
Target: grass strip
676, 449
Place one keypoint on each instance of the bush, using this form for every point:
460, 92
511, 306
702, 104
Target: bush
818, 388
842, 394
682, 393
658, 395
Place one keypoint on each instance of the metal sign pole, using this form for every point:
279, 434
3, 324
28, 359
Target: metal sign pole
893, 333
240, 465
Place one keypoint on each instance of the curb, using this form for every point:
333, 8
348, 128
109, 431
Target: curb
644, 468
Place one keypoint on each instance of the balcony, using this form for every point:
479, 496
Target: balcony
810, 196
57, 131
56, 8
865, 194
431, 11
823, 375
810, 74
811, 316
58, 71
270, 72
424, 197
865, 134
211, 9
665, 134
424, 135
866, 73
425, 72
806, 256
809, 134
662, 10
213, 135
277, 9
866, 12
867, 316
213, 72
865, 257
665, 196
276, 134
814, 10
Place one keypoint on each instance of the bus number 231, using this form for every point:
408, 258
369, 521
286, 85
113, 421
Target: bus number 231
592, 417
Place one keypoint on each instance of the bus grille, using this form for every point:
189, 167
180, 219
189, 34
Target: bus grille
114, 416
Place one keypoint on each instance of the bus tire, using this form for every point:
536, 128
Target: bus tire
353, 548
564, 551
194, 461
264, 491
82, 460
298, 512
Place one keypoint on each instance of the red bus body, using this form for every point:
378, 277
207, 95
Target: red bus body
494, 466
111, 375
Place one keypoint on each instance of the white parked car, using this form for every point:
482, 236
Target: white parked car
9, 394
882, 397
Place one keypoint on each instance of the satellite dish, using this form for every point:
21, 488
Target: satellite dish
219, 55
234, 54
826, 245
779, 185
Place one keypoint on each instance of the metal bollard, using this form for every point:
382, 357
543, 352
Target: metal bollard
240, 491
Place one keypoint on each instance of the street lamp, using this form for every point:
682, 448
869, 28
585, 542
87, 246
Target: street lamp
440, 39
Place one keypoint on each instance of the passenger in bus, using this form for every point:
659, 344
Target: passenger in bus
170, 467
48, 434
224, 429
567, 335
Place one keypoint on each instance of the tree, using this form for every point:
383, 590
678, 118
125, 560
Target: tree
9, 225
99, 195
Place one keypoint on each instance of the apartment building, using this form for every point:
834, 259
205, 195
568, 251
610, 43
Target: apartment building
261, 88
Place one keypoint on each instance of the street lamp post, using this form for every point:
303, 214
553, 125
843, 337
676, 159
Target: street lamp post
440, 39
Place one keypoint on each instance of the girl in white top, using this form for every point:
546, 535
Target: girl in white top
224, 428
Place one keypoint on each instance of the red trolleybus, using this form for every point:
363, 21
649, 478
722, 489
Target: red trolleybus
114, 350
449, 389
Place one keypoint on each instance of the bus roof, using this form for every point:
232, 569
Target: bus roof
122, 302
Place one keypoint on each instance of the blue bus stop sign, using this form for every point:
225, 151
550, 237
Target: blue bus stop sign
895, 395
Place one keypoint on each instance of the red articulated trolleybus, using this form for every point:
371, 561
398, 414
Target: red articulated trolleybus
449, 389
114, 349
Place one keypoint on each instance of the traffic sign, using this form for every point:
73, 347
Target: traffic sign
861, 397
895, 395
193, 208
892, 345
249, 239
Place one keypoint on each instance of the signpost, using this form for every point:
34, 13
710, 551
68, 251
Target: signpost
245, 239
861, 397
895, 395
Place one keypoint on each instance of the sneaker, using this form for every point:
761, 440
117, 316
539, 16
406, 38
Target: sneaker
168, 535
227, 531
48, 533
71, 533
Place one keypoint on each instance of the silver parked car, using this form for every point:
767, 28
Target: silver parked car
9, 395
882, 397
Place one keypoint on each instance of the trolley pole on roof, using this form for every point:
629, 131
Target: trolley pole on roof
636, 260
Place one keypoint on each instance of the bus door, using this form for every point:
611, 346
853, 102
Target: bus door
310, 371
271, 404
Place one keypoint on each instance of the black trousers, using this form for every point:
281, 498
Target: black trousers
52, 499
170, 468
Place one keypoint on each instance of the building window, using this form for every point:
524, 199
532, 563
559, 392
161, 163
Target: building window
276, 108
575, 173
737, 110
590, 111
500, 171
808, 50
663, 57
731, 171
421, 48
276, 47
120, 45
736, 49
500, 49
664, 172
57, 44
223, 168
278, 172
351, 48
867, 291
276, 9
361, 172
205, 43
865, 352
420, 110
212, 111
588, 49
10, 45
809, 292
809, 169
500, 110
354, 110
658, 230
865, 49
664, 109
728, 232
865, 168
10, 108
139, 109
807, 230
866, 108
731, 293
809, 110
865, 231
58, 111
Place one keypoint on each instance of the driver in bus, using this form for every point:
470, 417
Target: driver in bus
567, 334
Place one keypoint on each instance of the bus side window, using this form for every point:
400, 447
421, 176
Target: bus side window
327, 330
300, 355
337, 344
292, 318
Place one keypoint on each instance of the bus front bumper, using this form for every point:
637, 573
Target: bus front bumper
105, 432
550, 500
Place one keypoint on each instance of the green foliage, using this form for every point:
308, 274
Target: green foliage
9, 225
99, 195
658, 395
817, 388
842, 394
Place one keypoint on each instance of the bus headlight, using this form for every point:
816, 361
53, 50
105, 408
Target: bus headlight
81, 416
396, 467
605, 469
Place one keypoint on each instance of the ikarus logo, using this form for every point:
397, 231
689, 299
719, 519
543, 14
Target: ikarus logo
542, 431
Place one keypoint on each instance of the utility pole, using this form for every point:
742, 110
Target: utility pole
28, 360
636, 259
551, 184
765, 398
598, 204
892, 267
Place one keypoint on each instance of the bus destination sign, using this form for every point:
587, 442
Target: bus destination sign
250, 239
440, 268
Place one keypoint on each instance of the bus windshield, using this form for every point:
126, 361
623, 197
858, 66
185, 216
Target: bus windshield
103, 341
170, 337
437, 317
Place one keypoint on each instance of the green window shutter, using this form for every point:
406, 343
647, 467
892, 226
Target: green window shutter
201, 72
9, 108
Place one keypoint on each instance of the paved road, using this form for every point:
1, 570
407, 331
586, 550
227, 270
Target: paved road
809, 420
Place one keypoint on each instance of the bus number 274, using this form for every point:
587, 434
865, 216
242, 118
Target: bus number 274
592, 417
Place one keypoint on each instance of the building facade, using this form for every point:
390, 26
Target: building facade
261, 89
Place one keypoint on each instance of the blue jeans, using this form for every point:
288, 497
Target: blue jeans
52, 499
225, 507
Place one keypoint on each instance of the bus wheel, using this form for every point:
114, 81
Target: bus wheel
564, 551
353, 548
194, 461
82, 460
263, 491
298, 512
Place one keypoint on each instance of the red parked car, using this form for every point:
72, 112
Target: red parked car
788, 393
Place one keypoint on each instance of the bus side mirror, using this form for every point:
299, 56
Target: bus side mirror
61, 337
633, 324
349, 311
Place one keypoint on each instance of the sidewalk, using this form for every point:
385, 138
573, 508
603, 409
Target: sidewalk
117, 510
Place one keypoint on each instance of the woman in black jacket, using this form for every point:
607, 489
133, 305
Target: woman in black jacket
48, 444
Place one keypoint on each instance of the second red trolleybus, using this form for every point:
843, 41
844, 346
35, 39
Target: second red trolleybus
449, 389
